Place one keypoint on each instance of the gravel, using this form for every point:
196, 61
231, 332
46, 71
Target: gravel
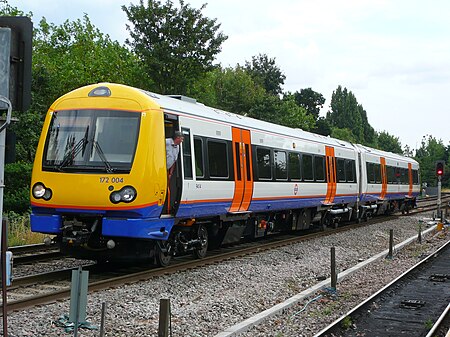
208, 300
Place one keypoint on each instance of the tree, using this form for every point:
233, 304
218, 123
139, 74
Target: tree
343, 134
75, 54
322, 127
311, 100
387, 142
347, 113
266, 73
230, 89
429, 152
177, 45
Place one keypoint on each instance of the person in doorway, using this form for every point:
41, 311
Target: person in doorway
172, 151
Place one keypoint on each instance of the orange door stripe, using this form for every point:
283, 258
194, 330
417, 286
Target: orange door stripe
247, 170
330, 165
410, 179
243, 177
383, 178
238, 177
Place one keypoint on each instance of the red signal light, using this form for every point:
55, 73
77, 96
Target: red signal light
440, 168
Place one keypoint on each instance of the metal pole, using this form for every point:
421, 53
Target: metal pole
5, 53
439, 198
333, 268
419, 238
77, 319
391, 244
102, 323
164, 317
4, 291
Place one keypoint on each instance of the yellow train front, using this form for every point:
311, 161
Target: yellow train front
99, 179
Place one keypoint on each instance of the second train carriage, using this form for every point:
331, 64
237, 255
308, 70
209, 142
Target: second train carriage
100, 183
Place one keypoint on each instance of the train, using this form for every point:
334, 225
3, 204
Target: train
101, 191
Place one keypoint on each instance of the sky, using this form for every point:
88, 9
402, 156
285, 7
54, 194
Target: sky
394, 55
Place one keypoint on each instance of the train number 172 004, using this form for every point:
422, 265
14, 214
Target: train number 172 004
112, 180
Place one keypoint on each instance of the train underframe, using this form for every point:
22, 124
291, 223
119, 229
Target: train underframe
81, 236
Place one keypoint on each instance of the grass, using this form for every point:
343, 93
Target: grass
19, 232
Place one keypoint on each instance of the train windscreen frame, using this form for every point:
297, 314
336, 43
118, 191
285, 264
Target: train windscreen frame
91, 140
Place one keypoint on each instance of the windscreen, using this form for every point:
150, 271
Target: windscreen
91, 140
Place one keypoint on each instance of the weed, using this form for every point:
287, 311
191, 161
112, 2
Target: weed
346, 323
429, 324
19, 231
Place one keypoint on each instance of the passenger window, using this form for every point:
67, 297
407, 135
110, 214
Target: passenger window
294, 166
370, 173
377, 172
263, 163
187, 156
198, 151
319, 168
350, 170
340, 168
218, 159
280, 165
390, 174
307, 167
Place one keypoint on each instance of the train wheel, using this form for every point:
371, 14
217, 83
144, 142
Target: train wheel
200, 253
163, 254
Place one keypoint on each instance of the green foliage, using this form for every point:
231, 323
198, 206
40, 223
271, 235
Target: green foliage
266, 73
229, 89
311, 100
75, 54
17, 187
387, 142
346, 113
343, 134
346, 323
428, 324
27, 130
429, 152
177, 45
19, 232
8, 10
322, 127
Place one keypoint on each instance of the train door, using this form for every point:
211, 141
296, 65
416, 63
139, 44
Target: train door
174, 181
410, 180
383, 178
331, 174
243, 177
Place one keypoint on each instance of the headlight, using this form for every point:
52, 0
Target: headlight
126, 194
40, 191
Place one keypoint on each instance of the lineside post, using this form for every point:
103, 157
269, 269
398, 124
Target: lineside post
391, 244
164, 317
419, 237
333, 268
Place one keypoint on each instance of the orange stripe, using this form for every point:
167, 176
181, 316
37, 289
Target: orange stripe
383, 177
118, 208
238, 184
330, 163
248, 188
410, 179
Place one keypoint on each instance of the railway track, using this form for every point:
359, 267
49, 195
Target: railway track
48, 287
417, 303
55, 285
32, 253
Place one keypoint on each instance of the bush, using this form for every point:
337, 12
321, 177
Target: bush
17, 187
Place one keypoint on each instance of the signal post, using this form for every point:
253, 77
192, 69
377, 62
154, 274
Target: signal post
440, 164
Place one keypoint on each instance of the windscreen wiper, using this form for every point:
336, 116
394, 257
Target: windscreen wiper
102, 156
73, 152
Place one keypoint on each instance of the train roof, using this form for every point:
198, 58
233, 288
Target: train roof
189, 106
183, 105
